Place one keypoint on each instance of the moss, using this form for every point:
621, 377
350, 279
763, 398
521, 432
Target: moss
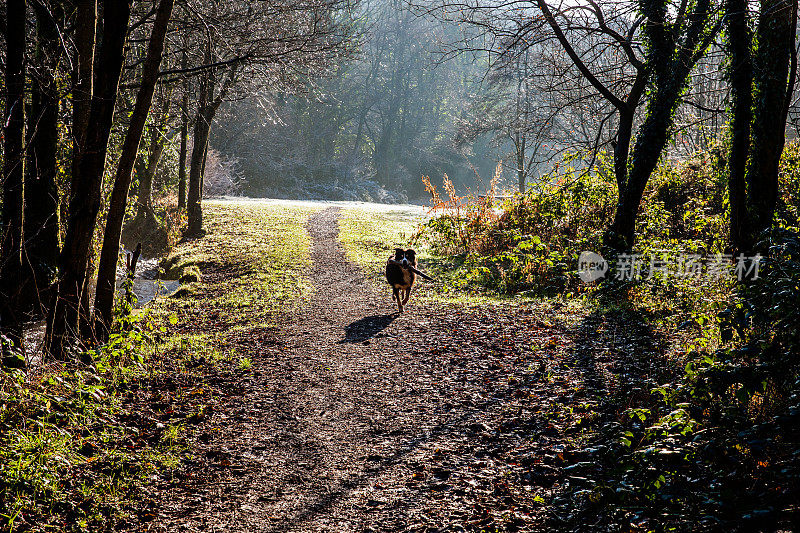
190, 274
184, 291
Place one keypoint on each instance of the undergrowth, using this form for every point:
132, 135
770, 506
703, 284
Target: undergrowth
715, 445
72, 455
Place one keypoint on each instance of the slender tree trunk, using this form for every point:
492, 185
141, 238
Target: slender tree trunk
86, 34
86, 184
144, 195
520, 142
792, 63
740, 75
359, 135
184, 145
203, 172
650, 143
770, 75
199, 140
145, 213
202, 130
622, 151
41, 193
83, 76
106, 278
207, 109
202, 127
13, 174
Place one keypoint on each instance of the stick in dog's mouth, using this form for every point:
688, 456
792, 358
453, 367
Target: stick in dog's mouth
412, 269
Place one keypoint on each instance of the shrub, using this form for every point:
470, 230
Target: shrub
531, 242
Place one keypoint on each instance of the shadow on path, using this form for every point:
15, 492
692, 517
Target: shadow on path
365, 328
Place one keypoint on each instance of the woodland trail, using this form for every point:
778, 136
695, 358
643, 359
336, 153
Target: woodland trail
354, 418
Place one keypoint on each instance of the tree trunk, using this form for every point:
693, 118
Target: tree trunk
145, 213
83, 76
203, 171
202, 128
144, 195
740, 75
774, 38
86, 184
184, 145
670, 59
199, 139
622, 151
650, 142
107, 273
207, 109
13, 174
41, 193
520, 149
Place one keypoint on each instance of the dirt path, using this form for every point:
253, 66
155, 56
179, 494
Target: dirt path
353, 418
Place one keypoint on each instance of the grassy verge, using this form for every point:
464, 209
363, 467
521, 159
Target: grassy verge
79, 443
256, 254
72, 449
369, 238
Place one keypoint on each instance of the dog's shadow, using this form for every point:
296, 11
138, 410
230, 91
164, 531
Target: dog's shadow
365, 328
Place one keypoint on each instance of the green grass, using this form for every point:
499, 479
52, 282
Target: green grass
369, 237
264, 251
70, 457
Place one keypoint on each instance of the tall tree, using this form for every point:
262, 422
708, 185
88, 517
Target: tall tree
184, 142
656, 50
13, 173
207, 109
674, 45
83, 75
625, 105
775, 41
762, 73
84, 206
145, 213
106, 278
740, 78
249, 46
41, 191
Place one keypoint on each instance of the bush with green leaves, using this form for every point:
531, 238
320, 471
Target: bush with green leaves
531, 242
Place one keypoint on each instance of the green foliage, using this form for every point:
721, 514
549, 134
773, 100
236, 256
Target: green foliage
60, 462
531, 242
788, 207
720, 440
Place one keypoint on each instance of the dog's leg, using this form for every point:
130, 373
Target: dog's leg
396, 297
407, 295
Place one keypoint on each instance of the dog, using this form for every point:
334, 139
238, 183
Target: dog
400, 274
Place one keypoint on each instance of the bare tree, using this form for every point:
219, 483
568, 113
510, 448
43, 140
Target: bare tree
248, 46
656, 49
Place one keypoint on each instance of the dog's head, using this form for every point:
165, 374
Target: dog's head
407, 257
